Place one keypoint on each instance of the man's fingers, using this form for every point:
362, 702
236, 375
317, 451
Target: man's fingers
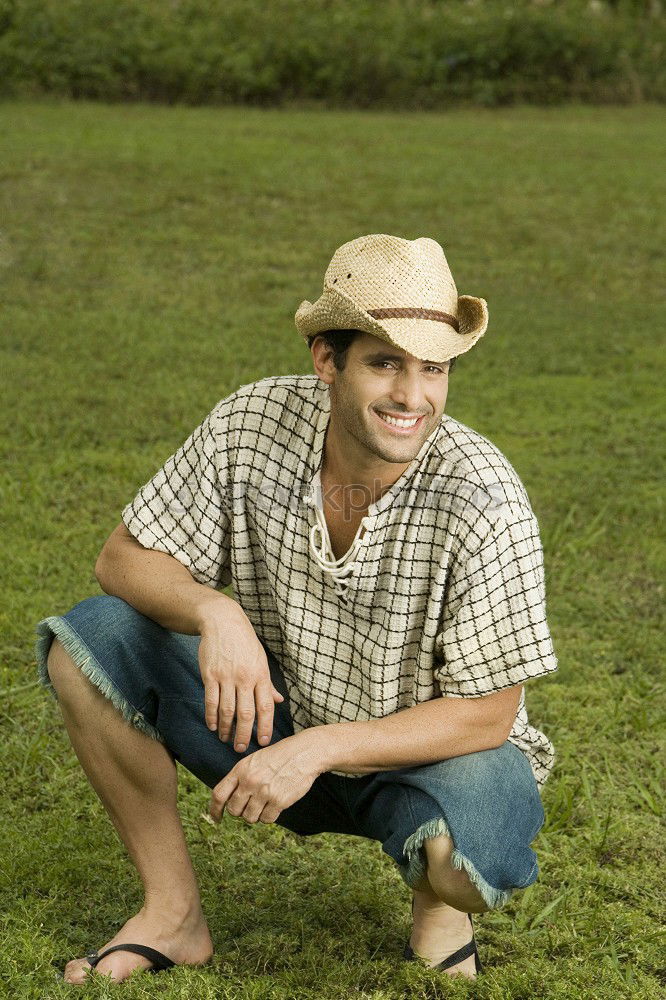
269, 814
211, 702
220, 795
253, 809
265, 707
238, 802
244, 718
226, 711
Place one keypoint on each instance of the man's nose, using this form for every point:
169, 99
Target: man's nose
407, 393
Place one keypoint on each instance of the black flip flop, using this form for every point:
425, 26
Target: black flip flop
160, 961
457, 956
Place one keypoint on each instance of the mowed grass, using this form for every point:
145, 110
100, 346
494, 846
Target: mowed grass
151, 261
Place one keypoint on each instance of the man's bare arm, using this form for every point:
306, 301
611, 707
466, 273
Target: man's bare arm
158, 585
432, 731
232, 661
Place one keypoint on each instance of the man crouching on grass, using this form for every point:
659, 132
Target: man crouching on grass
367, 679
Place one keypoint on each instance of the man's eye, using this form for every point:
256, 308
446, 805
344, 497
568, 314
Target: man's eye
430, 368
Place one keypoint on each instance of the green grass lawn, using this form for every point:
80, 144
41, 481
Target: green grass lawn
151, 261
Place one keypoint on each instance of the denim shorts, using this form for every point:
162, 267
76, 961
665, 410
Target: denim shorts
487, 802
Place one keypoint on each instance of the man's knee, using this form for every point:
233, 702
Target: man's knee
452, 885
69, 681
60, 666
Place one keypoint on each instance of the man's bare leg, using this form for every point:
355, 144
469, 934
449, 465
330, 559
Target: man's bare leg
442, 900
135, 777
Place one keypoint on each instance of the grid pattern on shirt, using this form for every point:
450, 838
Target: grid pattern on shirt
447, 596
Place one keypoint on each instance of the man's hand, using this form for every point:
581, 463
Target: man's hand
267, 781
237, 679
232, 661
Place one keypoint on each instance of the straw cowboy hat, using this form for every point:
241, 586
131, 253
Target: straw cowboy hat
403, 292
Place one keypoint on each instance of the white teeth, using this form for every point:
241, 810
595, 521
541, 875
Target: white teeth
399, 423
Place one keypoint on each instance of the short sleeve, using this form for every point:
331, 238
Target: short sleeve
182, 509
494, 632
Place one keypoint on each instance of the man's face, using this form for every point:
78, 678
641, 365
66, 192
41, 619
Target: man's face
380, 380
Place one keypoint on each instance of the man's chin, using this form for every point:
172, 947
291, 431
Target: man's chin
401, 453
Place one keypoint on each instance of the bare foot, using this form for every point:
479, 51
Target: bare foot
438, 931
185, 941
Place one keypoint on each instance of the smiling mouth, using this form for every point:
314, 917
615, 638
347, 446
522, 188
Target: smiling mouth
400, 425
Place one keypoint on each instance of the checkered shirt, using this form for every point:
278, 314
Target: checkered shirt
443, 591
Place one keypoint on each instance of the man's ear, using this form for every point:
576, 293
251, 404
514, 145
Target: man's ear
322, 360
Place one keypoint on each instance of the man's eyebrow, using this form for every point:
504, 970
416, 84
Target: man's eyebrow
384, 356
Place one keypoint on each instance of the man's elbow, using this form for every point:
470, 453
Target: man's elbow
107, 560
102, 570
510, 699
501, 736
504, 733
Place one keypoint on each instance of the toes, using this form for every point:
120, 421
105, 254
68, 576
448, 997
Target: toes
116, 967
121, 965
76, 971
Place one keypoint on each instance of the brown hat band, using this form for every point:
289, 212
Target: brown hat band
412, 313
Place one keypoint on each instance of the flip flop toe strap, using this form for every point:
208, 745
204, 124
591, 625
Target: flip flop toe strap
458, 956
160, 961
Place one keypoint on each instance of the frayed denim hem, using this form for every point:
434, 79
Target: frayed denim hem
415, 869
57, 627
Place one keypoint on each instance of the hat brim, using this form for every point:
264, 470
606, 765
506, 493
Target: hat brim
430, 340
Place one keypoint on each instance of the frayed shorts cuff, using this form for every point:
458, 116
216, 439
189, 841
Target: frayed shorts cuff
56, 627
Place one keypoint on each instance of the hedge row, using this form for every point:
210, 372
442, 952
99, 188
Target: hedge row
398, 53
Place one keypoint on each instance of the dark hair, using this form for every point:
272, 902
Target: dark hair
339, 342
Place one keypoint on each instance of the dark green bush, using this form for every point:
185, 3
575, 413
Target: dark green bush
399, 53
